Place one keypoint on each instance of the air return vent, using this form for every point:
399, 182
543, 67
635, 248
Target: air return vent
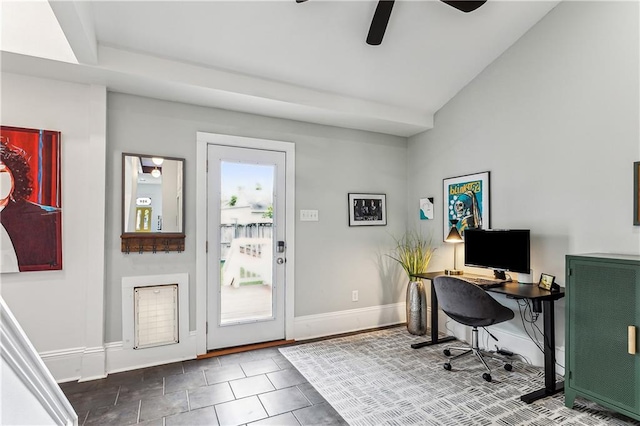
155, 326
155, 316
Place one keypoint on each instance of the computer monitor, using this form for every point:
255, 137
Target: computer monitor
498, 249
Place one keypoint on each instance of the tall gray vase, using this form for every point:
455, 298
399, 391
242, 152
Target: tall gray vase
416, 308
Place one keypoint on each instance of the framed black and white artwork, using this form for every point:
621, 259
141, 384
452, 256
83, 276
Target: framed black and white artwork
367, 209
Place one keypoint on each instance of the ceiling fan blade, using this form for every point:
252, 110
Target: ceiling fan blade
379, 22
464, 5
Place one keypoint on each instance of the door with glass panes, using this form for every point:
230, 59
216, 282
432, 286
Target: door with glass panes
246, 248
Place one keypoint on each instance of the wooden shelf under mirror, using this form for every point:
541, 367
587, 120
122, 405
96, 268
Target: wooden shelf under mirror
138, 242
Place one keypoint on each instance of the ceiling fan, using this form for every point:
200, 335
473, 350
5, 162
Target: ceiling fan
383, 12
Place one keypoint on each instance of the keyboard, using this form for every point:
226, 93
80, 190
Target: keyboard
485, 282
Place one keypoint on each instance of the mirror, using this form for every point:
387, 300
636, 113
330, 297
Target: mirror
152, 203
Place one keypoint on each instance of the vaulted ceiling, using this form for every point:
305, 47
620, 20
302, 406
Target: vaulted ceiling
304, 61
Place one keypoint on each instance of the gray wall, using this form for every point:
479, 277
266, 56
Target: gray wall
556, 122
331, 258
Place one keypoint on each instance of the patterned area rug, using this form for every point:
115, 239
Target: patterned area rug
378, 379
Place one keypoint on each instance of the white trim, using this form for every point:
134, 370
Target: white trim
331, 323
120, 358
19, 355
201, 245
92, 351
93, 364
128, 286
94, 301
124, 357
64, 364
72, 364
202, 140
62, 353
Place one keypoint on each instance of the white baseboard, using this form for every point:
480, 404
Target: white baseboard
65, 365
321, 325
121, 358
81, 364
93, 363
86, 363
332, 323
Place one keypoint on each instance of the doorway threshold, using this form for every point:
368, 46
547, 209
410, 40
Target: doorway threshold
245, 348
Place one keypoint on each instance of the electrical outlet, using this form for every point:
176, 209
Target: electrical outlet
354, 296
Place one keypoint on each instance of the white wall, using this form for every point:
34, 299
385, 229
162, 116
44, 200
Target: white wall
556, 122
62, 311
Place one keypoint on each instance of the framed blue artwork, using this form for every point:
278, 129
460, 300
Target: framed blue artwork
466, 200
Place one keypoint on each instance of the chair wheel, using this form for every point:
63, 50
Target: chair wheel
447, 366
487, 377
446, 352
508, 367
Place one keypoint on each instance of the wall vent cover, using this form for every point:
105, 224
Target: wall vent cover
155, 316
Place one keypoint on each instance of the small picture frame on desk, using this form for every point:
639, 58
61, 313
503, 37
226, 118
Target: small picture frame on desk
546, 281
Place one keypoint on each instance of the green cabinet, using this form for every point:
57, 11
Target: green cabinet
602, 304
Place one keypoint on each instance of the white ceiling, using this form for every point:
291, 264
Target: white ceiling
306, 61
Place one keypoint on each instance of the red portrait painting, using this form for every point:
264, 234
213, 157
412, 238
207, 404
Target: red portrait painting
30, 200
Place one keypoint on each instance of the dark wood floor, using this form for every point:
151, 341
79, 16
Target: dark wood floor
258, 387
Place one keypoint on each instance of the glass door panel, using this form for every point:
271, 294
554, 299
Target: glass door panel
246, 231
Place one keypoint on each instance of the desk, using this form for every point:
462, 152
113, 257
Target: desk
542, 300
434, 314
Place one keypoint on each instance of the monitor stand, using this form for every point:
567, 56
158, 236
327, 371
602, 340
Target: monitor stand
499, 275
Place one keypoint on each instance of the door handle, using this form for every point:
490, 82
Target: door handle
631, 340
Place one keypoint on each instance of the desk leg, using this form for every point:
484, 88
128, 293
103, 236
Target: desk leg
550, 385
434, 324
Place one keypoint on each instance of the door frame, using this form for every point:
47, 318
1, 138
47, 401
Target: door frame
203, 139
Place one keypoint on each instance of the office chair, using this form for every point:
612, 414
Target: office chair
468, 304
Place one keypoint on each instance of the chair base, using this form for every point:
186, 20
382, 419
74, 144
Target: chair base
475, 350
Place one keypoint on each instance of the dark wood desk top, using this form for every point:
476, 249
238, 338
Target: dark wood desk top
512, 289
527, 291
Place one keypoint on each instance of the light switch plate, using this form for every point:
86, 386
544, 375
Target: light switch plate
308, 215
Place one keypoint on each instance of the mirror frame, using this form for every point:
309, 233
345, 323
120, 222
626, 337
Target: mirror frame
150, 241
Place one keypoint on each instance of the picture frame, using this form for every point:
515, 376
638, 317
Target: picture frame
426, 208
466, 202
546, 281
32, 215
636, 193
367, 209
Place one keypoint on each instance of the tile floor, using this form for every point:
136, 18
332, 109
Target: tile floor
258, 387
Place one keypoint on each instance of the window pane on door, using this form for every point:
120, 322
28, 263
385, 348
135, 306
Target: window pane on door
246, 252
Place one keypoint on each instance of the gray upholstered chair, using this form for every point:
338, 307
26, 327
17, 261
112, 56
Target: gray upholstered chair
468, 304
